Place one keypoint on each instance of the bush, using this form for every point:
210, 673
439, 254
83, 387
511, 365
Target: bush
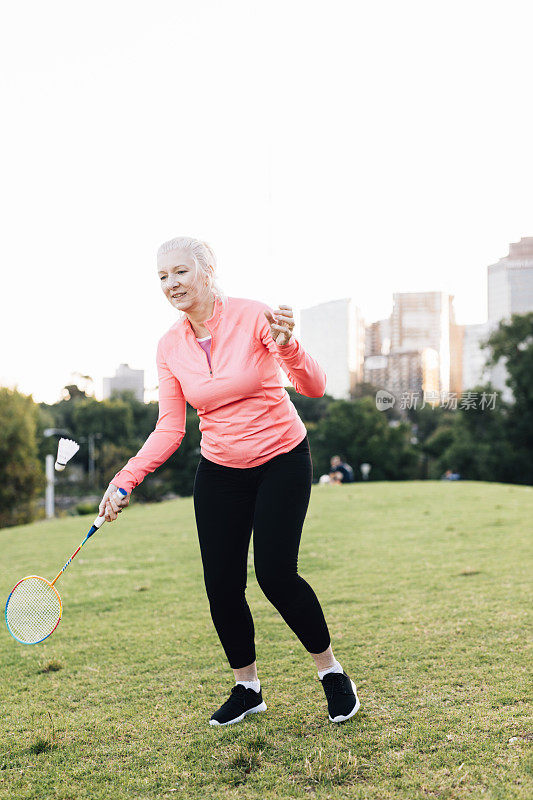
86, 508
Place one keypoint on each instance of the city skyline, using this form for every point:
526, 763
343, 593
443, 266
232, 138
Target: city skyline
355, 343
420, 347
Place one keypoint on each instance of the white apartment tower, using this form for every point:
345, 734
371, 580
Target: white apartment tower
475, 373
125, 379
509, 291
510, 282
334, 334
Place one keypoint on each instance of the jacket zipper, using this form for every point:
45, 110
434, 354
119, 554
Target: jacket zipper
205, 354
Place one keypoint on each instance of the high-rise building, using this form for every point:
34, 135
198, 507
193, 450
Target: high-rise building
125, 379
404, 371
413, 371
426, 319
510, 282
334, 334
509, 291
377, 338
475, 373
456, 357
376, 371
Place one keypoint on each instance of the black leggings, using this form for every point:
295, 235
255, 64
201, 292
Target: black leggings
273, 499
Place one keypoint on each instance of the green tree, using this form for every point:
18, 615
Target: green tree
110, 458
491, 441
72, 392
113, 419
477, 444
176, 475
21, 474
428, 419
513, 342
357, 430
310, 409
144, 414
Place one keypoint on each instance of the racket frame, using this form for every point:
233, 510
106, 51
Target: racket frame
40, 577
97, 524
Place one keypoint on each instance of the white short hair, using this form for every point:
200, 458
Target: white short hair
203, 256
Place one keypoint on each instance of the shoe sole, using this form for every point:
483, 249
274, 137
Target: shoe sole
261, 707
355, 709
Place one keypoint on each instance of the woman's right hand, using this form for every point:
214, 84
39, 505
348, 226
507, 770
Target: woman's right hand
110, 506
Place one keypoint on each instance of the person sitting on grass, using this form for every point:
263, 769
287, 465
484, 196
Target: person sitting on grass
341, 472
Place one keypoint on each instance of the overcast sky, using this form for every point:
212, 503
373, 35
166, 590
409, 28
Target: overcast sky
324, 150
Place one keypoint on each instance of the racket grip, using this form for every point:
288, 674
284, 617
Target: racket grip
119, 495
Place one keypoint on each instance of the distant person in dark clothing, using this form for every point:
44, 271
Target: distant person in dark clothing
340, 472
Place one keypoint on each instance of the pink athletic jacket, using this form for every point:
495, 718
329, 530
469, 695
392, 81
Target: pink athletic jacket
246, 416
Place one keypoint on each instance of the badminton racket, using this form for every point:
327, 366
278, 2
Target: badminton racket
33, 609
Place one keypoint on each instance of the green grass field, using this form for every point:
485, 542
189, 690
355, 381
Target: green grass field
425, 589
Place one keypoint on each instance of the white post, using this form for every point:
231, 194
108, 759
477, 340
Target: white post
50, 477
365, 470
90, 442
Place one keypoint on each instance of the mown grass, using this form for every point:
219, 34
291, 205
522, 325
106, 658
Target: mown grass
426, 589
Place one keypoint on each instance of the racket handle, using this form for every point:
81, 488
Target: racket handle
120, 494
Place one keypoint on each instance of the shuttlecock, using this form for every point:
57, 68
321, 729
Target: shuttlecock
65, 450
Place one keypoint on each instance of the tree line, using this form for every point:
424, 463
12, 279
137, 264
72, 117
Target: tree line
492, 443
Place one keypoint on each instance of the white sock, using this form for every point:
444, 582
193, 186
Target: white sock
335, 668
255, 685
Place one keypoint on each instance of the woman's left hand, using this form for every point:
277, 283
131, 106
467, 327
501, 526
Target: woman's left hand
282, 325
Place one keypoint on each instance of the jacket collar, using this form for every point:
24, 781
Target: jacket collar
210, 323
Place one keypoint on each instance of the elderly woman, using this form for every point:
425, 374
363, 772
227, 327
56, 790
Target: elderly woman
223, 356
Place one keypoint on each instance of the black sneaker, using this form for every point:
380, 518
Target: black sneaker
341, 695
242, 701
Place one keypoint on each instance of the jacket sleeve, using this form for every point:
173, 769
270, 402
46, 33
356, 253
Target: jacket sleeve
167, 435
305, 374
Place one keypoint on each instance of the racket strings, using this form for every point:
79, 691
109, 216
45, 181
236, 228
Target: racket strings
33, 610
